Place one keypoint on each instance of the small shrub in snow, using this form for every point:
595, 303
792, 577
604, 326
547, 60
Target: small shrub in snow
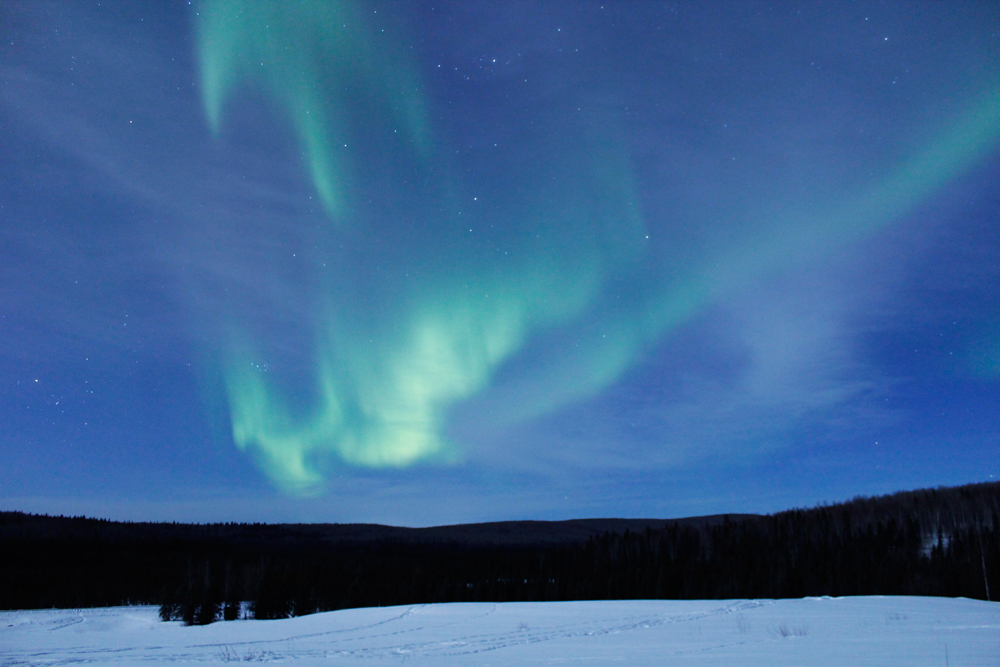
786, 630
228, 654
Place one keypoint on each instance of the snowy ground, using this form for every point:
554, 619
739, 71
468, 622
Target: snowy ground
814, 631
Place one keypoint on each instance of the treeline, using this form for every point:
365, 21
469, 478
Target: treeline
943, 542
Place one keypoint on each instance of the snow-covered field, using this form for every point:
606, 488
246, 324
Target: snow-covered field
772, 633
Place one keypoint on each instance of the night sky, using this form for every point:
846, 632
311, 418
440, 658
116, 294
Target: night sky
429, 262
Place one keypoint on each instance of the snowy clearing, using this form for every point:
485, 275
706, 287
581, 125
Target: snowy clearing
812, 631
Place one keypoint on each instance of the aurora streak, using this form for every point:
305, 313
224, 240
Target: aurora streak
566, 251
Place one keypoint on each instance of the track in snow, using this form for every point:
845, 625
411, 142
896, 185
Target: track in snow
814, 631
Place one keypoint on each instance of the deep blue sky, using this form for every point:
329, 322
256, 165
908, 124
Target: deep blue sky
427, 263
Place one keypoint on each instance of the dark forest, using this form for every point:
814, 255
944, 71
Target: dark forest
940, 542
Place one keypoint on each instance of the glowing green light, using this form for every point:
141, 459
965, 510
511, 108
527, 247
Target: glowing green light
314, 57
382, 388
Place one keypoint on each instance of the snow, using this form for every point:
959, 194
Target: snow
812, 631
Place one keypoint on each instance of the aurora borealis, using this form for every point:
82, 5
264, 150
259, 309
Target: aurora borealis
421, 263
382, 388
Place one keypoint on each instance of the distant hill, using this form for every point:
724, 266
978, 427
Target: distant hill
942, 541
496, 533
508, 533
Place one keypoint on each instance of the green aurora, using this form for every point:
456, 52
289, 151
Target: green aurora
571, 234
319, 60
